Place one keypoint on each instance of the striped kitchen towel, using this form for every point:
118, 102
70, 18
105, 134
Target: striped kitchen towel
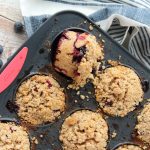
126, 21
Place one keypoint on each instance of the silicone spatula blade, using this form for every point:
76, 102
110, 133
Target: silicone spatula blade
11, 71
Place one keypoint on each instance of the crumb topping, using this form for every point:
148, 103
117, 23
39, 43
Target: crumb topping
143, 126
118, 90
40, 99
84, 130
13, 137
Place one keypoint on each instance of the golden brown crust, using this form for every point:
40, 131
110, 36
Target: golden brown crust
13, 137
143, 126
40, 99
84, 130
63, 62
90, 61
118, 90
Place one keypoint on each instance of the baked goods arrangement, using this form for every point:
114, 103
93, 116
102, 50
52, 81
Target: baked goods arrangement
82, 96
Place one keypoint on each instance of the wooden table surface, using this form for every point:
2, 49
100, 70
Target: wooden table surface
10, 13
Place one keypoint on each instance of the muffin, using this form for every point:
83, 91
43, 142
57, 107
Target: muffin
13, 137
143, 126
77, 55
84, 130
40, 99
118, 90
128, 147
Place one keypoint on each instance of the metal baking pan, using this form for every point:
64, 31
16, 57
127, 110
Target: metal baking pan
38, 59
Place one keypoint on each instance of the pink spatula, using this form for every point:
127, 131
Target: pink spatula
8, 75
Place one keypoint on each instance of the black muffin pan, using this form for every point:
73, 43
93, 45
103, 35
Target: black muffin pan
39, 61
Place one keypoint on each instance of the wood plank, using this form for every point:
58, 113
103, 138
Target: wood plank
9, 14
10, 9
10, 40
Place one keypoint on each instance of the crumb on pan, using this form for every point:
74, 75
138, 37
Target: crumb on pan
90, 27
114, 134
78, 92
75, 101
34, 140
113, 62
82, 97
85, 21
41, 135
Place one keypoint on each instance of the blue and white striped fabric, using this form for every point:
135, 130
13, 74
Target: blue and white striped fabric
126, 21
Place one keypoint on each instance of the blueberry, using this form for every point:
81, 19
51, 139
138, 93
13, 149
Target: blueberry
82, 49
11, 106
1, 49
18, 26
94, 71
109, 103
1, 63
79, 53
77, 58
44, 19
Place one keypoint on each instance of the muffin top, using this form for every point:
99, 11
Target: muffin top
118, 90
64, 54
13, 137
129, 147
143, 126
40, 99
84, 130
78, 54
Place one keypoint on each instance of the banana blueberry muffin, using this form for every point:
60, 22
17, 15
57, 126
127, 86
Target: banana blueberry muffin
78, 54
84, 130
118, 90
143, 126
128, 147
40, 99
13, 137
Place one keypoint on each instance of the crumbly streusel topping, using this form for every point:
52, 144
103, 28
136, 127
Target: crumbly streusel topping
84, 130
143, 126
118, 90
91, 60
40, 99
13, 137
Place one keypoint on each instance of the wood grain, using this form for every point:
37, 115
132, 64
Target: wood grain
11, 41
10, 9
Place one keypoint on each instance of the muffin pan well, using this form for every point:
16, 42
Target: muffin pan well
40, 99
39, 60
